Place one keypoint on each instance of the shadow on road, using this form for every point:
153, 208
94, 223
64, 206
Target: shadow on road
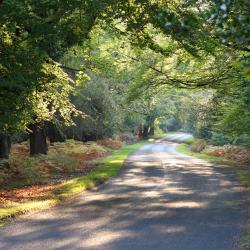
161, 200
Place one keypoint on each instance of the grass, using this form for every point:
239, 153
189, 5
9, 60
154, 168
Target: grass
171, 133
62, 157
184, 149
245, 177
189, 140
107, 168
160, 133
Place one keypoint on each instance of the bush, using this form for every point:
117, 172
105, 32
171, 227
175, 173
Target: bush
230, 152
215, 151
30, 170
203, 132
64, 157
127, 137
219, 139
109, 143
4, 170
243, 140
61, 163
198, 145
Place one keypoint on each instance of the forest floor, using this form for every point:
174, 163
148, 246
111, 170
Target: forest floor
30, 178
69, 168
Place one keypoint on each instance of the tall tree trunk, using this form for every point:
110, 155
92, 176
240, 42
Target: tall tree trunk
38, 143
151, 130
54, 133
145, 131
152, 126
5, 144
140, 133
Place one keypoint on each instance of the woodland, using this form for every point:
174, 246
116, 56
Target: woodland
74, 71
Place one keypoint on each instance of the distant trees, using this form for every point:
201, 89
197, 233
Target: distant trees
152, 43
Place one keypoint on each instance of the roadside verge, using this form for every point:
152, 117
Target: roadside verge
243, 171
107, 168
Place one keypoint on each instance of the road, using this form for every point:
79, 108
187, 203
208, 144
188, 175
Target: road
160, 200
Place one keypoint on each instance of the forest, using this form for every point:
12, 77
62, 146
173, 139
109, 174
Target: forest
87, 76
88, 70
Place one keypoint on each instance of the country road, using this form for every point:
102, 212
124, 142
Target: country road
160, 200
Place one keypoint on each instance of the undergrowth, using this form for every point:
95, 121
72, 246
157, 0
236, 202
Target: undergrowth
107, 168
64, 157
185, 149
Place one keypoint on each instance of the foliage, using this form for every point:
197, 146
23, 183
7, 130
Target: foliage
185, 149
198, 145
34, 35
219, 139
109, 143
147, 43
234, 153
236, 113
62, 158
108, 167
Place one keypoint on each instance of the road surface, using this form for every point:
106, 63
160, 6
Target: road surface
160, 200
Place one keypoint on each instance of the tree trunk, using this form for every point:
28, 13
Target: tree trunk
54, 133
151, 130
145, 131
140, 132
5, 144
152, 126
38, 143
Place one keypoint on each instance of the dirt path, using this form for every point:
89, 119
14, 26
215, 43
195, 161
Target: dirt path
160, 200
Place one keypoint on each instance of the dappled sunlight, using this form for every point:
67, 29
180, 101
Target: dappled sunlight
150, 200
169, 229
181, 191
187, 204
115, 161
106, 237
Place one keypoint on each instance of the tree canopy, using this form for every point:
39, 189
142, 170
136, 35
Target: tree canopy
110, 61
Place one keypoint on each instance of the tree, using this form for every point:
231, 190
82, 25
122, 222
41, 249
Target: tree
34, 35
194, 38
235, 120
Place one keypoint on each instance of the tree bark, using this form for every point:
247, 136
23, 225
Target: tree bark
38, 143
5, 145
152, 126
140, 132
145, 131
151, 130
54, 133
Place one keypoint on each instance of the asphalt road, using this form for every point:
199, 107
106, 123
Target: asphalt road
160, 200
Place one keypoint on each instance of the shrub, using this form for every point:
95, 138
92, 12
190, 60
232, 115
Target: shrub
215, 151
30, 170
64, 157
61, 163
109, 143
127, 137
198, 145
230, 152
243, 140
219, 139
4, 170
